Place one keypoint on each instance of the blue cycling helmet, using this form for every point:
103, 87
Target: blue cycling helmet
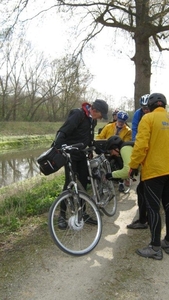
144, 100
122, 116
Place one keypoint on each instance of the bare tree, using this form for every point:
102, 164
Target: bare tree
74, 79
10, 80
60, 85
33, 88
145, 21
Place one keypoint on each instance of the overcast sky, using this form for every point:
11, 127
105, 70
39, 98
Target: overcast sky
109, 62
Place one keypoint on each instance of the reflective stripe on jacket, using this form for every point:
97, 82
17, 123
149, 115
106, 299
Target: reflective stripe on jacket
151, 148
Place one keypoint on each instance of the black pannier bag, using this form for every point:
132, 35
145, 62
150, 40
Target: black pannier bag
51, 161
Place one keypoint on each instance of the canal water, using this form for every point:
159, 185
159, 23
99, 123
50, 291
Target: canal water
19, 165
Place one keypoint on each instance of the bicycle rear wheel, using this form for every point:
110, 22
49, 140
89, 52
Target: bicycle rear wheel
110, 205
80, 237
106, 195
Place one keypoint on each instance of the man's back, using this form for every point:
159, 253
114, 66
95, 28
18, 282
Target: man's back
152, 143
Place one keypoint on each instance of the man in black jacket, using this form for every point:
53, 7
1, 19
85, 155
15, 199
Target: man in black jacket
79, 128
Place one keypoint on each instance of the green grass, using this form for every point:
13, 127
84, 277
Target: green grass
34, 201
12, 130
16, 134
15, 142
28, 128
28, 202
16, 129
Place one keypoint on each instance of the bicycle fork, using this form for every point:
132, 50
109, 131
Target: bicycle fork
75, 204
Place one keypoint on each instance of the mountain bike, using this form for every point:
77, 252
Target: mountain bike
80, 237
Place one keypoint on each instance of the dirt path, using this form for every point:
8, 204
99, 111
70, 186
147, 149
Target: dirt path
35, 269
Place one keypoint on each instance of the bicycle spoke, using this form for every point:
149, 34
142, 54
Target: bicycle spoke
79, 237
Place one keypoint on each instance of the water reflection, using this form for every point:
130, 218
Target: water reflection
20, 165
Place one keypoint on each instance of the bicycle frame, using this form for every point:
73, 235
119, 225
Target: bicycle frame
102, 189
79, 210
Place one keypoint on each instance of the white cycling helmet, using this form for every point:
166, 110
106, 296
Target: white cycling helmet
144, 100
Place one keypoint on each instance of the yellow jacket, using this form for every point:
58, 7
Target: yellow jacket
151, 148
110, 130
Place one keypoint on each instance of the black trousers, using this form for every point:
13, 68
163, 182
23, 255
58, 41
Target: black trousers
156, 190
116, 163
81, 169
143, 218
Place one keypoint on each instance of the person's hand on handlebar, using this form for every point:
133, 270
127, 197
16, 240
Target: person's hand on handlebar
109, 176
90, 155
132, 173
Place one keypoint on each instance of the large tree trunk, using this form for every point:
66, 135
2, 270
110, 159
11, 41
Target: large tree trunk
142, 62
142, 58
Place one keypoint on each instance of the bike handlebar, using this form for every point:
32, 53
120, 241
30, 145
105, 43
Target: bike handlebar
77, 146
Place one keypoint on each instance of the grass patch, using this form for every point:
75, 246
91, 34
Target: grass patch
31, 202
13, 129
14, 135
16, 142
22, 203
28, 128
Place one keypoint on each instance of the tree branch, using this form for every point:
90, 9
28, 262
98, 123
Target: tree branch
158, 44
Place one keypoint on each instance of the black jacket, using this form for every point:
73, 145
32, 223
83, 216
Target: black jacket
78, 128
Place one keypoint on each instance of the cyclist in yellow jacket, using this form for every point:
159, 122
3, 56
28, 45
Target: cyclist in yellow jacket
121, 129
151, 151
117, 128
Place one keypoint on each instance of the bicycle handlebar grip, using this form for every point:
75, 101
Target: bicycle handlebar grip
78, 145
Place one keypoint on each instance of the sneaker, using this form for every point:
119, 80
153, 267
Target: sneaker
149, 252
121, 187
88, 220
165, 246
137, 225
62, 224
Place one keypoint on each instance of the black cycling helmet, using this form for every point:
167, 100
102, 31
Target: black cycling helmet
114, 142
156, 99
115, 112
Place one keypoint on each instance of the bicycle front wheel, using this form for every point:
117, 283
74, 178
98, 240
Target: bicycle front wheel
79, 237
